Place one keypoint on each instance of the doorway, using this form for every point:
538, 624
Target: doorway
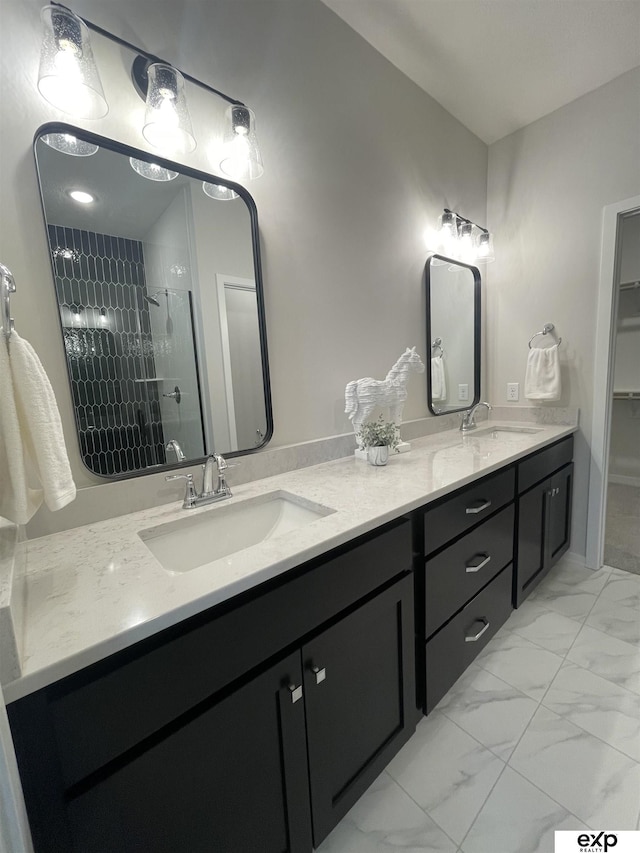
615, 459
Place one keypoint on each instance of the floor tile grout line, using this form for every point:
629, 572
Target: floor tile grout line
429, 815
484, 803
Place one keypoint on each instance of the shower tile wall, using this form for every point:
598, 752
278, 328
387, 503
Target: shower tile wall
100, 284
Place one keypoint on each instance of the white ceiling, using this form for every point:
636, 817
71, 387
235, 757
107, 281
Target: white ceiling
497, 65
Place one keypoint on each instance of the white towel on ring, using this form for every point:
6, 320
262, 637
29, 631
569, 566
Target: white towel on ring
33, 459
542, 377
438, 381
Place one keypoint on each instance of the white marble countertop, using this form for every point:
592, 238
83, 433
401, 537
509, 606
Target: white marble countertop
94, 590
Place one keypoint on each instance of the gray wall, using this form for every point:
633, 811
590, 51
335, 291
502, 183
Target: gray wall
548, 184
358, 163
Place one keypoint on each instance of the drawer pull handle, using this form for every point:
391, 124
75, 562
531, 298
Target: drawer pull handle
319, 673
475, 637
473, 510
476, 568
296, 693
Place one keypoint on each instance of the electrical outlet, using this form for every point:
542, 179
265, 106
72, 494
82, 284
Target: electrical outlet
463, 392
513, 391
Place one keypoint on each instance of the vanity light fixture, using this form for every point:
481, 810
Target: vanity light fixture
152, 171
241, 158
68, 77
459, 238
66, 143
167, 123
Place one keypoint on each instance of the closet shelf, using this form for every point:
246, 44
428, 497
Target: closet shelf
626, 395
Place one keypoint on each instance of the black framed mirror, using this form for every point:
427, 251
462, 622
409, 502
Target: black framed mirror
453, 334
157, 275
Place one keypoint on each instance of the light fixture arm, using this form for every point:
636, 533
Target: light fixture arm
149, 56
461, 218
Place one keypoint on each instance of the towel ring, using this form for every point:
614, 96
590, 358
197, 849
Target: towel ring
7, 287
546, 330
437, 344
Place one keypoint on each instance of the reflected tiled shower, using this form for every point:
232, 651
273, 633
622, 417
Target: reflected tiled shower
100, 285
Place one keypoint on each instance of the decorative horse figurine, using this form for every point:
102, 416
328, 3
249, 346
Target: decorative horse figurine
363, 395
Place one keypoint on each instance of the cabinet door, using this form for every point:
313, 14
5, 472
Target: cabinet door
360, 701
532, 523
229, 776
559, 527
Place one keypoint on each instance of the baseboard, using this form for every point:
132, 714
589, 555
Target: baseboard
623, 480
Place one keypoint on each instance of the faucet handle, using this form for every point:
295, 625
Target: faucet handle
190, 491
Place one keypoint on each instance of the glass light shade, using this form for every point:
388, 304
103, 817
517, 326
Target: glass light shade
465, 249
68, 77
66, 143
241, 158
484, 248
218, 191
167, 123
151, 171
447, 235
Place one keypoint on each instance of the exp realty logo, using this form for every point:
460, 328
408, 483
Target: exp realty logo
605, 841
597, 843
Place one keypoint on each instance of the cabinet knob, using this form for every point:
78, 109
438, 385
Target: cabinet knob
473, 638
474, 510
475, 567
295, 692
319, 673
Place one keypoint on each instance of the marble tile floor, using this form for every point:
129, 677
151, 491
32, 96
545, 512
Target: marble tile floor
541, 733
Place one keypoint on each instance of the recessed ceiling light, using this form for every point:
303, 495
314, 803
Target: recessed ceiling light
81, 196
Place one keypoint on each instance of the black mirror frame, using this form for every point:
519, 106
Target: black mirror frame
477, 326
128, 151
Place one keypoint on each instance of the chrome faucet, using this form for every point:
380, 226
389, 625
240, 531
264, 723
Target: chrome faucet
209, 494
173, 445
468, 422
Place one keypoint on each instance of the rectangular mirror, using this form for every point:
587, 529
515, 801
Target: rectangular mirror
453, 332
156, 270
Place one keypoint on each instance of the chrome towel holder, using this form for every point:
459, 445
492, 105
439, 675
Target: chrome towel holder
437, 344
547, 329
7, 287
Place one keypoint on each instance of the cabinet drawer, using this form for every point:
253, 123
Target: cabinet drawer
158, 680
541, 465
467, 508
456, 574
452, 649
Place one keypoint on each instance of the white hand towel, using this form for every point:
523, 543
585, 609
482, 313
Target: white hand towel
438, 381
542, 377
33, 457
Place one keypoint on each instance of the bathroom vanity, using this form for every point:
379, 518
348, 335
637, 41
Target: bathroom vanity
265, 691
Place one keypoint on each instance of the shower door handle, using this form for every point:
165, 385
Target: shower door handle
174, 395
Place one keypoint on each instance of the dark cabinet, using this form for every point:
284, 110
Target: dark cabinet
232, 776
544, 516
359, 701
464, 587
252, 728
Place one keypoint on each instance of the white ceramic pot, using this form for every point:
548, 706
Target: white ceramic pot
378, 455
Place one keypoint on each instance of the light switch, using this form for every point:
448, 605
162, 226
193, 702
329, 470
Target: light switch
463, 392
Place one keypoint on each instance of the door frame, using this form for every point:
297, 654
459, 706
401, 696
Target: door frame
604, 351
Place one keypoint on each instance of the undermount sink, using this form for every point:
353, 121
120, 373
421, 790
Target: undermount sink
194, 541
495, 431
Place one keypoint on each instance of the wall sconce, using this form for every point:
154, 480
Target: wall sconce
69, 80
68, 77
459, 238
